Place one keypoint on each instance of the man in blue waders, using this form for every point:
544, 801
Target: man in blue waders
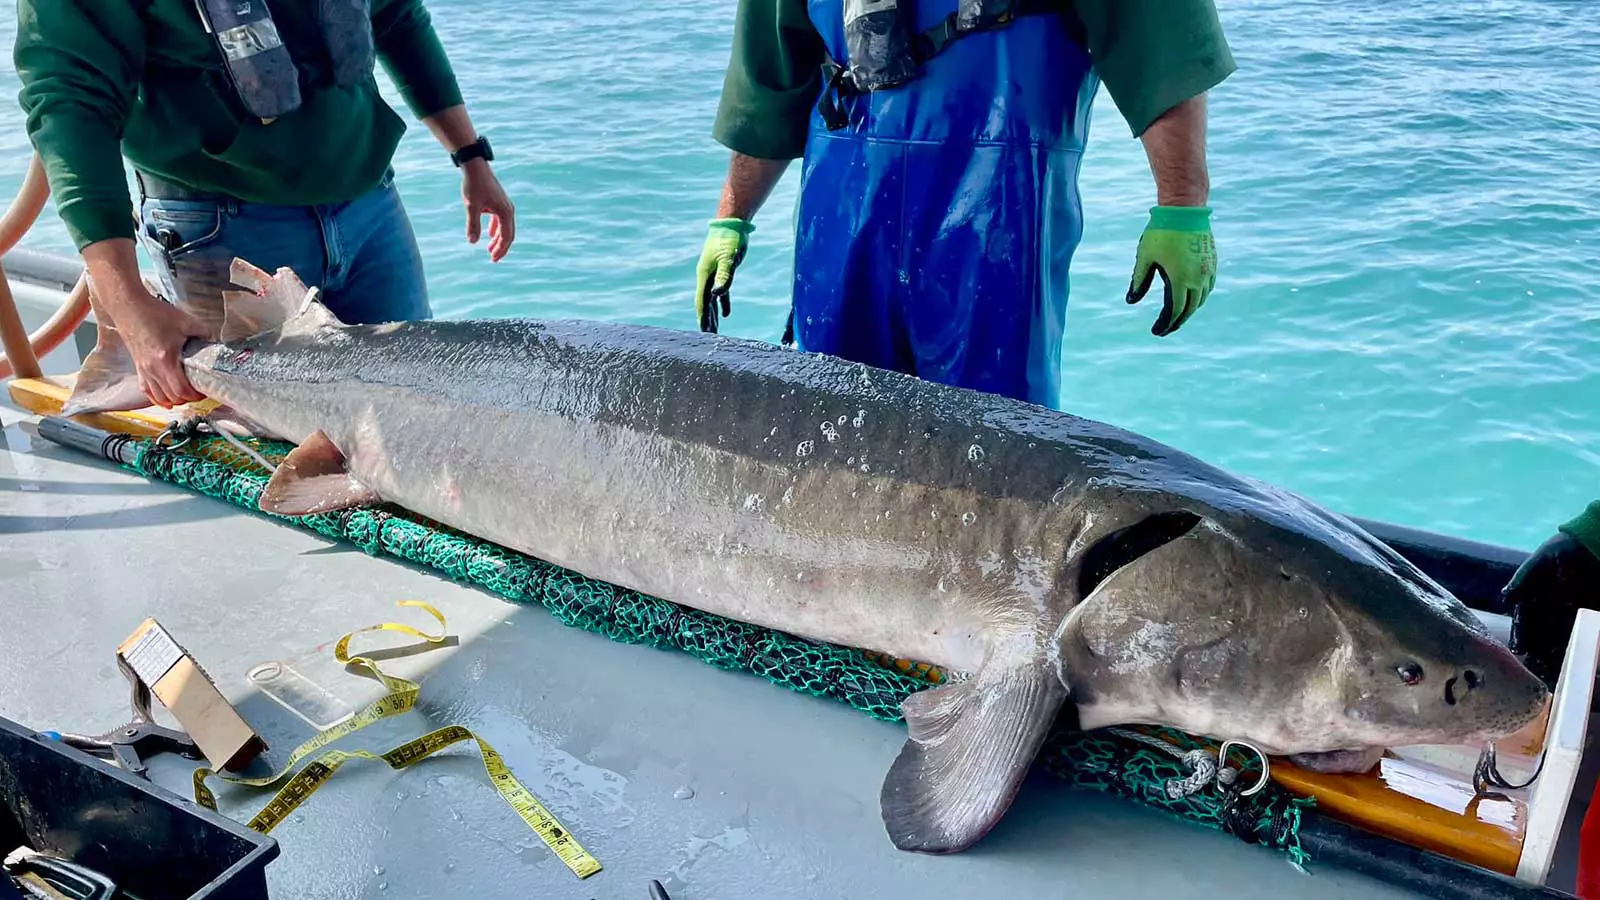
941, 142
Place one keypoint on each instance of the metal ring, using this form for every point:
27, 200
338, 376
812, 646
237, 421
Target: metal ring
1266, 767
168, 433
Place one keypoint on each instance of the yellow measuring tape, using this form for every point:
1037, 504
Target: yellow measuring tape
402, 697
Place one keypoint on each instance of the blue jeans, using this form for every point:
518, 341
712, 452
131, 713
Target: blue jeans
361, 254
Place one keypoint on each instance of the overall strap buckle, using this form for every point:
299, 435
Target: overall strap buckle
966, 20
839, 85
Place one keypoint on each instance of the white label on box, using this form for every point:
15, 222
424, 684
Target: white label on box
153, 655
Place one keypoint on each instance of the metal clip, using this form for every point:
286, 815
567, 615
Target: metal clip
141, 737
1266, 767
1486, 774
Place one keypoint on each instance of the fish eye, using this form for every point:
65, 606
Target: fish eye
1410, 673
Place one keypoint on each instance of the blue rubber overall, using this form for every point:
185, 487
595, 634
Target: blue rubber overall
936, 229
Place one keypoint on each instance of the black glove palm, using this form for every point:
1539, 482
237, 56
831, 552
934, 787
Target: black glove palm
1545, 594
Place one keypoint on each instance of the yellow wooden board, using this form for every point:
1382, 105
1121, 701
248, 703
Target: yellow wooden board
45, 397
1405, 798
1419, 805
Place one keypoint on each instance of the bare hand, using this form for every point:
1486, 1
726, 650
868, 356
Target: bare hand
483, 195
155, 332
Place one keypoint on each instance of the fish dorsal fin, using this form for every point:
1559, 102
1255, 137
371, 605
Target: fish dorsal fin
970, 744
314, 478
279, 302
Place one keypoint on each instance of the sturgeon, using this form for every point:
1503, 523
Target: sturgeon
1048, 561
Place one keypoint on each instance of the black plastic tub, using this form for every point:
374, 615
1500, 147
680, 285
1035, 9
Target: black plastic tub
153, 843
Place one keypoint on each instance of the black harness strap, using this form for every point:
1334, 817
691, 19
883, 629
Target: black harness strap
929, 44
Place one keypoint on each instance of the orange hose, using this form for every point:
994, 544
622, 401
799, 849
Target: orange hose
60, 326
26, 208
22, 350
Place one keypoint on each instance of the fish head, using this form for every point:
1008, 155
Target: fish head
1404, 677
1287, 627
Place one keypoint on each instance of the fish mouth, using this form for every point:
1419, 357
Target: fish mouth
1339, 761
1362, 759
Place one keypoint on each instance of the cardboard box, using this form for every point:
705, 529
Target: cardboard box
226, 739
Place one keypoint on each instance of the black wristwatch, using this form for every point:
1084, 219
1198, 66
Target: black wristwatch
478, 149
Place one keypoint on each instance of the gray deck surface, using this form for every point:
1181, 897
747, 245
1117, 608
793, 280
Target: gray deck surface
613, 738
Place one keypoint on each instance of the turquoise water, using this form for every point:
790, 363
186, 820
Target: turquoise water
1407, 319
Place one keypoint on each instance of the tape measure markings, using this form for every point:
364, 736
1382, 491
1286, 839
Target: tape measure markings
401, 698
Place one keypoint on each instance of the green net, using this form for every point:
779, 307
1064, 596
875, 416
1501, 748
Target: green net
1122, 763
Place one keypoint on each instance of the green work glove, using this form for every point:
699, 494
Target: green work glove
726, 241
1178, 244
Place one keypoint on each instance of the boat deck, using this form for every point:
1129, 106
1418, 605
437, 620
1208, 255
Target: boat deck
716, 783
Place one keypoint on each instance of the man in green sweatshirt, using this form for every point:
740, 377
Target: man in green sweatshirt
1560, 577
253, 132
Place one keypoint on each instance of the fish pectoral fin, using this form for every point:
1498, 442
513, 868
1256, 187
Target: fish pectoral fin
970, 745
314, 478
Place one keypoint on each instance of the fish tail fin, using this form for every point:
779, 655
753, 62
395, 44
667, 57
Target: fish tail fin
969, 747
107, 380
276, 302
